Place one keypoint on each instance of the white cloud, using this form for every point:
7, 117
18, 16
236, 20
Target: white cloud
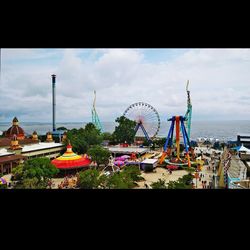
219, 83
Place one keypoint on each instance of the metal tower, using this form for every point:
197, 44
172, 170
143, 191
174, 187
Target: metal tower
54, 102
188, 115
95, 118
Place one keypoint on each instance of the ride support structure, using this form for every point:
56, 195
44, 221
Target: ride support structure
140, 125
188, 115
177, 122
95, 118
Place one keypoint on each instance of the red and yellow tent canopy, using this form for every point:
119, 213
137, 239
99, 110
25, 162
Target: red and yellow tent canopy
70, 160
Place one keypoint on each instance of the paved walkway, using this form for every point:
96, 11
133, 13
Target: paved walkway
160, 173
208, 175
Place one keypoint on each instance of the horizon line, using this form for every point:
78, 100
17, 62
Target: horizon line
59, 122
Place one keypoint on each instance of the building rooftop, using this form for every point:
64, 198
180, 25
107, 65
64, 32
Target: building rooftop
149, 161
243, 134
41, 145
127, 150
5, 142
4, 152
245, 139
237, 168
11, 158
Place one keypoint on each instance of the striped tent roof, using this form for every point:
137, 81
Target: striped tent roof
70, 160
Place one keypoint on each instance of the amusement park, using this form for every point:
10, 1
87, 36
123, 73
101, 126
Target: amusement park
133, 156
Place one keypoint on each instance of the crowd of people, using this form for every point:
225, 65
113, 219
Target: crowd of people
68, 182
207, 178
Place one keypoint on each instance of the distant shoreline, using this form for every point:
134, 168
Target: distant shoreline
221, 130
72, 122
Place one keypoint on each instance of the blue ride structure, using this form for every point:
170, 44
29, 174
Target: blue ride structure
177, 123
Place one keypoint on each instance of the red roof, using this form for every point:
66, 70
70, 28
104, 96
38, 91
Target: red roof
71, 164
14, 129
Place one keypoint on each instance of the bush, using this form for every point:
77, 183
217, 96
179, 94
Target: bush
120, 180
160, 184
185, 182
134, 172
89, 179
3, 186
125, 179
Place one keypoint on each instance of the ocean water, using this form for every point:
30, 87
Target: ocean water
222, 130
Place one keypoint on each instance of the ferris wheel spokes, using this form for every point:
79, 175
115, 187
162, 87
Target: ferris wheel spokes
146, 117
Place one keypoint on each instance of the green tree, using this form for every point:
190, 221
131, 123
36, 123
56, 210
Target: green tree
80, 146
134, 172
125, 179
107, 136
94, 179
18, 172
104, 181
82, 139
120, 180
90, 179
99, 154
33, 183
160, 184
34, 173
90, 126
125, 131
62, 128
92, 137
185, 182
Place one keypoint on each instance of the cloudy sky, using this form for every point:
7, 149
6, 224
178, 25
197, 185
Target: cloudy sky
219, 82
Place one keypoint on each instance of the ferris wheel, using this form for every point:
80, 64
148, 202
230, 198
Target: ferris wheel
146, 118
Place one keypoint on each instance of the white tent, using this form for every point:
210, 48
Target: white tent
244, 149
